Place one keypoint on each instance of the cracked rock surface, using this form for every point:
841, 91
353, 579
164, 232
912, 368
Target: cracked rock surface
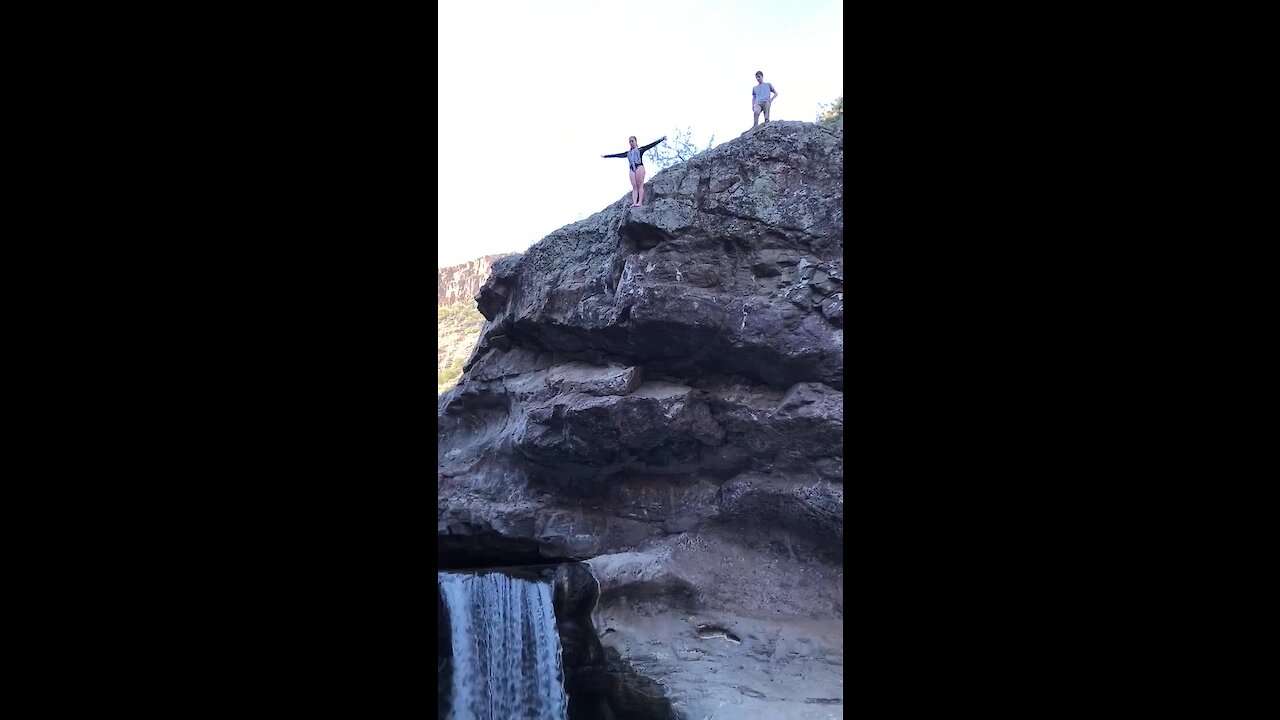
659, 391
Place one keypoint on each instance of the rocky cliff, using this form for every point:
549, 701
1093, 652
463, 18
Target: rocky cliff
658, 391
458, 322
460, 283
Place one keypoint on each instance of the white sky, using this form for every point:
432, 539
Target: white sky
531, 94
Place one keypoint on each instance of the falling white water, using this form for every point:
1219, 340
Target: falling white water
506, 651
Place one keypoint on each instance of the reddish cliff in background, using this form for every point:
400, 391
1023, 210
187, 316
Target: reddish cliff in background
458, 322
460, 283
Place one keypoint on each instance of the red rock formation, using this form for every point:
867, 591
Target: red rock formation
460, 283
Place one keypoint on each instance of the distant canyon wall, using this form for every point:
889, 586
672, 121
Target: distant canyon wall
460, 283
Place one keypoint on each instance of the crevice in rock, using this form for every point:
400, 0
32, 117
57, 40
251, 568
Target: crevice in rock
709, 631
606, 685
490, 550
633, 696
644, 235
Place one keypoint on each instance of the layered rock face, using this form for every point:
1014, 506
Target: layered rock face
458, 322
460, 283
658, 391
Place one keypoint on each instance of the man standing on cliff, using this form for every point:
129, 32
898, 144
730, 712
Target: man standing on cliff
760, 100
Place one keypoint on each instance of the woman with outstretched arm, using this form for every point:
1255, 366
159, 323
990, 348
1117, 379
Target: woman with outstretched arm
635, 162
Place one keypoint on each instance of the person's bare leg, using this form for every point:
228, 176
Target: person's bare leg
766, 110
635, 189
640, 183
755, 118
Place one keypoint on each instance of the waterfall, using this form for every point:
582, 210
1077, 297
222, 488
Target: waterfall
506, 651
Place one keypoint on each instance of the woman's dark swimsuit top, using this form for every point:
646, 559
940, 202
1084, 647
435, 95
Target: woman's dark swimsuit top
634, 157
